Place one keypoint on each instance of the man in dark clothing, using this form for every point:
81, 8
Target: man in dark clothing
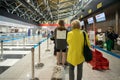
53, 39
111, 36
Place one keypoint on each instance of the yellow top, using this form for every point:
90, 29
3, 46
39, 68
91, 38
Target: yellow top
75, 40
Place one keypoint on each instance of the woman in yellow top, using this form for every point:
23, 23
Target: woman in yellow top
75, 40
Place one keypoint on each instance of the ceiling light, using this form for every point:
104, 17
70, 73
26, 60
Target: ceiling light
28, 1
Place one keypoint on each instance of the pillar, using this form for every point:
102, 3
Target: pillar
117, 22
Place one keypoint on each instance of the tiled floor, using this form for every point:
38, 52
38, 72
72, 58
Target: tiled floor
22, 69
8, 62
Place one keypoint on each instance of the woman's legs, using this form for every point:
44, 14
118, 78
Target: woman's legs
63, 58
79, 71
58, 58
71, 72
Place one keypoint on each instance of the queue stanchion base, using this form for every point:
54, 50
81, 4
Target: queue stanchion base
47, 50
39, 65
35, 78
1, 59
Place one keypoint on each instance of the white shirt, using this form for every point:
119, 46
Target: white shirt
101, 37
118, 41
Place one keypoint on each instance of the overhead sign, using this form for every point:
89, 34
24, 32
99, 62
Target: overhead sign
100, 17
82, 23
90, 20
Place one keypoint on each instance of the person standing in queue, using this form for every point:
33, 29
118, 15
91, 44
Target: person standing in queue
60, 34
53, 39
111, 36
75, 40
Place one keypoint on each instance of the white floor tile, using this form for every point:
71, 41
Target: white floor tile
8, 62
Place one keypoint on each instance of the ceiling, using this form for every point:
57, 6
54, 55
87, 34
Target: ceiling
92, 7
43, 10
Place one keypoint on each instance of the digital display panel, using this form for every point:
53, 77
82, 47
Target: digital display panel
100, 17
81, 23
90, 20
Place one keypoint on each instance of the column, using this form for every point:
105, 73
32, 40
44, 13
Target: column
117, 22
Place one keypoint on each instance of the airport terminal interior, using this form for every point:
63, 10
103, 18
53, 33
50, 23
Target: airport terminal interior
27, 50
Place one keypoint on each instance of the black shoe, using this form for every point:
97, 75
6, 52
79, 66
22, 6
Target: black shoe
59, 64
66, 64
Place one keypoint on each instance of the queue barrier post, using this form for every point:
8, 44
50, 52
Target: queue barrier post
47, 44
24, 41
13, 40
32, 66
26, 37
39, 64
34, 37
1, 55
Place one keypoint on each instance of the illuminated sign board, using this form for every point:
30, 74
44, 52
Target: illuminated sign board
100, 17
90, 20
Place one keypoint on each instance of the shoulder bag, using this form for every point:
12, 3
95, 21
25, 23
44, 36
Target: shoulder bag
87, 52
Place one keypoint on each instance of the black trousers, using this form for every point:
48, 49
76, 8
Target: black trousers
79, 71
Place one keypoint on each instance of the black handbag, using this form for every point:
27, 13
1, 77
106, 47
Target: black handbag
87, 51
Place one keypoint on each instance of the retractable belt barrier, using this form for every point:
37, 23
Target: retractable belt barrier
32, 55
2, 41
10, 40
108, 52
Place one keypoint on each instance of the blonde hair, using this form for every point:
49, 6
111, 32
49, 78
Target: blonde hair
75, 24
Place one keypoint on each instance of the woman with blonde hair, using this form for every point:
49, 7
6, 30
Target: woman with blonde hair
75, 40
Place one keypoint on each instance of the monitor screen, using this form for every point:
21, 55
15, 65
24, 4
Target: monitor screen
81, 23
100, 17
90, 20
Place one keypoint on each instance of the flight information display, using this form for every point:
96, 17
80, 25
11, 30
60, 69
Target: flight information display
100, 17
82, 23
90, 20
